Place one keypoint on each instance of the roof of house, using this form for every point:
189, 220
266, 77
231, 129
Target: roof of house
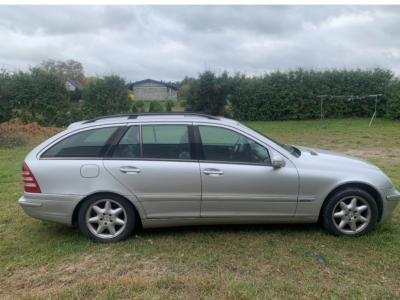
166, 84
75, 84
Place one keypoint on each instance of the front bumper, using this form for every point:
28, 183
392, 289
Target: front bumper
394, 197
49, 207
390, 200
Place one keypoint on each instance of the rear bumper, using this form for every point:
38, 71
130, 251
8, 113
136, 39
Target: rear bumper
49, 207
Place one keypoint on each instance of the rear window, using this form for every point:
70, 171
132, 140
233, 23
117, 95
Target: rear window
84, 144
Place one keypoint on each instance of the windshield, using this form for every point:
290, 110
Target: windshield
288, 148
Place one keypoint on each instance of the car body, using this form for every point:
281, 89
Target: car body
112, 173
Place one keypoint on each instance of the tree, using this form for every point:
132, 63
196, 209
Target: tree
184, 81
88, 79
208, 93
106, 96
184, 91
5, 96
69, 69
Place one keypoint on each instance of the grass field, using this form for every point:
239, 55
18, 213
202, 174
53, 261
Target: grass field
41, 260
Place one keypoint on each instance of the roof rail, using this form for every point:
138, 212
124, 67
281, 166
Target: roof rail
135, 115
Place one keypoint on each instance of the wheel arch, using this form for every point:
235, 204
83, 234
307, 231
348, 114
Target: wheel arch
369, 189
79, 205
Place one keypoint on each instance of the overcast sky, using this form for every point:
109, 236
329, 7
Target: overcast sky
171, 42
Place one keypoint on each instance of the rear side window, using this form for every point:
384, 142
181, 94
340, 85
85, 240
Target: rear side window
165, 142
83, 144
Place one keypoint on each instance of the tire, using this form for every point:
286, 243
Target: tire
350, 212
107, 218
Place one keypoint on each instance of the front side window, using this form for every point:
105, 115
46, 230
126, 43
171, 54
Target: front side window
220, 144
165, 141
83, 144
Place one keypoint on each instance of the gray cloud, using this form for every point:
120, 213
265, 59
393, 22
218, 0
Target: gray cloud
170, 42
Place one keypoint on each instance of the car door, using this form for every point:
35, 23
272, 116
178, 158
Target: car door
157, 163
238, 179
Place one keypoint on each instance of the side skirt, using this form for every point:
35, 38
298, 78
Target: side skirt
156, 223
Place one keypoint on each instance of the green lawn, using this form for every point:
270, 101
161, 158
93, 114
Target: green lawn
41, 260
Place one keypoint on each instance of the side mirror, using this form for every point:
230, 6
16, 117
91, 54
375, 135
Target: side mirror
278, 161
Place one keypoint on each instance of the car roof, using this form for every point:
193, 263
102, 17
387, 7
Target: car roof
152, 117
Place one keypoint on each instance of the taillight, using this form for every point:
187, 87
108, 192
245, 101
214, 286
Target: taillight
30, 183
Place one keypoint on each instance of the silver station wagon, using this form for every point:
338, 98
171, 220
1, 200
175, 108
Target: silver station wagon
115, 173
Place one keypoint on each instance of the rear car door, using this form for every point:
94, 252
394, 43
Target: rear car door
238, 179
158, 164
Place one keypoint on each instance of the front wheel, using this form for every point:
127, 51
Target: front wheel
350, 212
106, 218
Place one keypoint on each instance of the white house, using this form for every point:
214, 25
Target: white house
71, 85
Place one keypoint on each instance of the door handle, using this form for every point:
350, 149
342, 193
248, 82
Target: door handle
213, 172
129, 169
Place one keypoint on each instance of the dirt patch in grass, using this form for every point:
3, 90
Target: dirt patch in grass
383, 155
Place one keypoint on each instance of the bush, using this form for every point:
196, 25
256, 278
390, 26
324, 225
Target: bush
13, 139
139, 103
106, 96
40, 96
142, 110
292, 95
61, 119
155, 106
208, 93
5, 96
393, 102
169, 104
14, 133
76, 95
182, 103
75, 114
134, 108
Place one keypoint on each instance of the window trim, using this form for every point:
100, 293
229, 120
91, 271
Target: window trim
199, 147
119, 133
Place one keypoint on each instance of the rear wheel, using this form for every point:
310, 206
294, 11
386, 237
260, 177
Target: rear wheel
350, 212
106, 218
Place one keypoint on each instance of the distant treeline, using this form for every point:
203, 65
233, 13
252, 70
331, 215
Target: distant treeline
292, 94
41, 96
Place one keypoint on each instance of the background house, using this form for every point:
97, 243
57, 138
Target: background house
72, 85
150, 89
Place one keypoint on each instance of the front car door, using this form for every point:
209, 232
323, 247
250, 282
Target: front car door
238, 179
157, 163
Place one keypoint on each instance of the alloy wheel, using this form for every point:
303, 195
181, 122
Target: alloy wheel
106, 218
351, 215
